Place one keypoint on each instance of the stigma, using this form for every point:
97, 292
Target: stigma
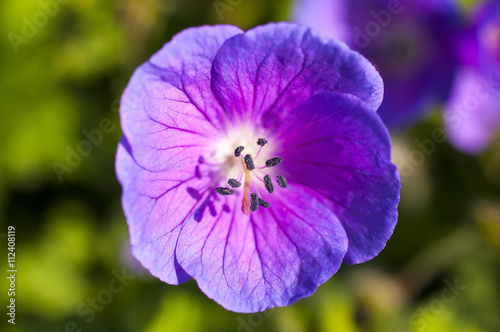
253, 167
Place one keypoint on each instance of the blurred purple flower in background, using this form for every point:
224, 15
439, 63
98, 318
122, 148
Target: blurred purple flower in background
472, 114
255, 163
412, 43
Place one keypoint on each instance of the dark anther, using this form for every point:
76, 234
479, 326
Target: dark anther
254, 202
263, 203
273, 161
261, 141
282, 181
249, 162
237, 151
197, 172
224, 191
269, 184
201, 160
234, 183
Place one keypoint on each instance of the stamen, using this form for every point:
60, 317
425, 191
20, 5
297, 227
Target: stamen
224, 191
273, 161
237, 151
282, 181
254, 203
269, 184
249, 162
262, 141
263, 203
250, 202
201, 160
234, 183
258, 152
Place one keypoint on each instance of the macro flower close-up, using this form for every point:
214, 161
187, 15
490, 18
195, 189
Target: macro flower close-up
255, 163
250, 166
412, 44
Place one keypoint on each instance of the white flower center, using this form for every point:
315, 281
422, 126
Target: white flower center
245, 162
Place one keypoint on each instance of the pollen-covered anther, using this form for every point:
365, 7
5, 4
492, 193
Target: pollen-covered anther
254, 202
237, 151
224, 191
273, 161
262, 141
234, 183
263, 203
281, 181
249, 162
269, 184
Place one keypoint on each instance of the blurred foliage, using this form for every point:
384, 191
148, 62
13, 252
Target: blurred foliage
66, 78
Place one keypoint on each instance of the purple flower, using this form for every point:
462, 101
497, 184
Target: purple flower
410, 42
255, 163
472, 114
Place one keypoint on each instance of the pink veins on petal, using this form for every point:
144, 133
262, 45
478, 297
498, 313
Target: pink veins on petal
255, 163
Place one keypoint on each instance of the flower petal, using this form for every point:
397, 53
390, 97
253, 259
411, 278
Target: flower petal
471, 115
168, 116
412, 44
168, 105
278, 65
334, 144
152, 237
273, 257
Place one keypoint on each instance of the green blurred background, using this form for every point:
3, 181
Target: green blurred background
440, 270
